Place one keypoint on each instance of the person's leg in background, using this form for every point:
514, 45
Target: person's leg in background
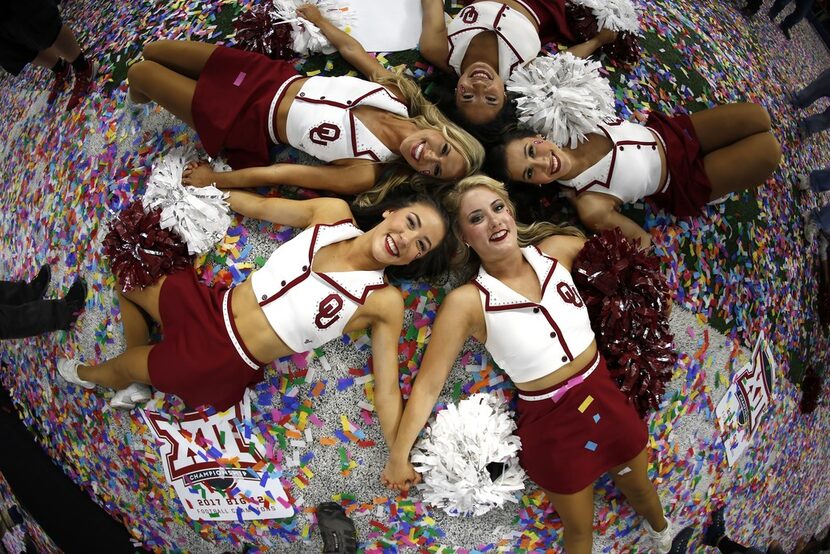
802, 8
14, 293
42, 316
818, 88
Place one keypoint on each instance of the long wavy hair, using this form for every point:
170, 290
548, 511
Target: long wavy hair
425, 115
435, 264
466, 258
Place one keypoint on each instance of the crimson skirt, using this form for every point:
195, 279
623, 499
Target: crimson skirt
232, 104
689, 188
201, 358
577, 430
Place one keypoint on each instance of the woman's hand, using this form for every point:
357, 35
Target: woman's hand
399, 476
310, 13
198, 174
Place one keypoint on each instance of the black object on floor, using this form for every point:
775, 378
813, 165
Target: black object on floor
339, 535
66, 513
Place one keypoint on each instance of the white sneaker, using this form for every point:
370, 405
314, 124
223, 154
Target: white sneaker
803, 182
127, 398
68, 368
662, 540
822, 247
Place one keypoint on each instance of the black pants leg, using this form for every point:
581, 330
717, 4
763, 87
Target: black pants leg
34, 318
17, 292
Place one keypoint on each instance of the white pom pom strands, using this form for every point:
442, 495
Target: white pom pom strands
200, 216
562, 97
615, 15
456, 450
307, 37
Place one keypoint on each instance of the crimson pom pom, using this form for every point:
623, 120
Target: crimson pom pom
628, 302
257, 31
581, 20
626, 49
140, 251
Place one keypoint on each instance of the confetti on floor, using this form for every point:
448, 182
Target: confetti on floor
743, 269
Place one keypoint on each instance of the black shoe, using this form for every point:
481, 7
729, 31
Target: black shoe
337, 530
785, 31
76, 297
41, 282
680, 543
716, 530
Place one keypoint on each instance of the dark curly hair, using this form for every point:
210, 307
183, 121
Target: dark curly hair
435, 264
532, 203
439, 88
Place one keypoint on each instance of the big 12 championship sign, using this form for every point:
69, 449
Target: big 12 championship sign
215, 465
740, 410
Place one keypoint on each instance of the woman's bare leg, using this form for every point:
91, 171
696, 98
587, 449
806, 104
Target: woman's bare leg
639, 490
185, 57
577, 514
119, 372
739, 151
171, 90
131, 365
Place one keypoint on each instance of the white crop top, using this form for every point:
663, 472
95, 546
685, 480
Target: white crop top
321, 121
305, 308
631, 170
529, 340
518, 39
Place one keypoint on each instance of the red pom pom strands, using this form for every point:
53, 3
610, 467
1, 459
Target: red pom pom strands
257, 31
628, 302
140, 251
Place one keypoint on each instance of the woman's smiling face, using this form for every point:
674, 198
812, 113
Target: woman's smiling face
429, 152
536, 161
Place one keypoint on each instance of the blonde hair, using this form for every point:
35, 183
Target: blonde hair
425, 115
533, 233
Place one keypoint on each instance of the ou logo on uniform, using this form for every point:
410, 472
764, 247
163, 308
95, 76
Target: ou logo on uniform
328, 311
569, 294
469, 15
324, 133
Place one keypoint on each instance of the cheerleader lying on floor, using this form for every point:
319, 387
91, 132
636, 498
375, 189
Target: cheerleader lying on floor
244, 103
679, 163
329, 279
487, 40
523, 306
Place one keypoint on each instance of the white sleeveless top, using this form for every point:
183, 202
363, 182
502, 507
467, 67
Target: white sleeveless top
321, 121
305, 308
529, 340
518, 39
630, 171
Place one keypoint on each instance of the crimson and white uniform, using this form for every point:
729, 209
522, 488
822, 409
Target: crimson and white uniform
631, 170
305, 308
518, 39
528, 339
321, 121
578, 429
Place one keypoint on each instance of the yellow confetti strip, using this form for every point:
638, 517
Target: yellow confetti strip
585, 404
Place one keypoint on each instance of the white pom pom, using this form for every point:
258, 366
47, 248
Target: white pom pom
616, 15
454, 453
199, 215
562, 97
307, 37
